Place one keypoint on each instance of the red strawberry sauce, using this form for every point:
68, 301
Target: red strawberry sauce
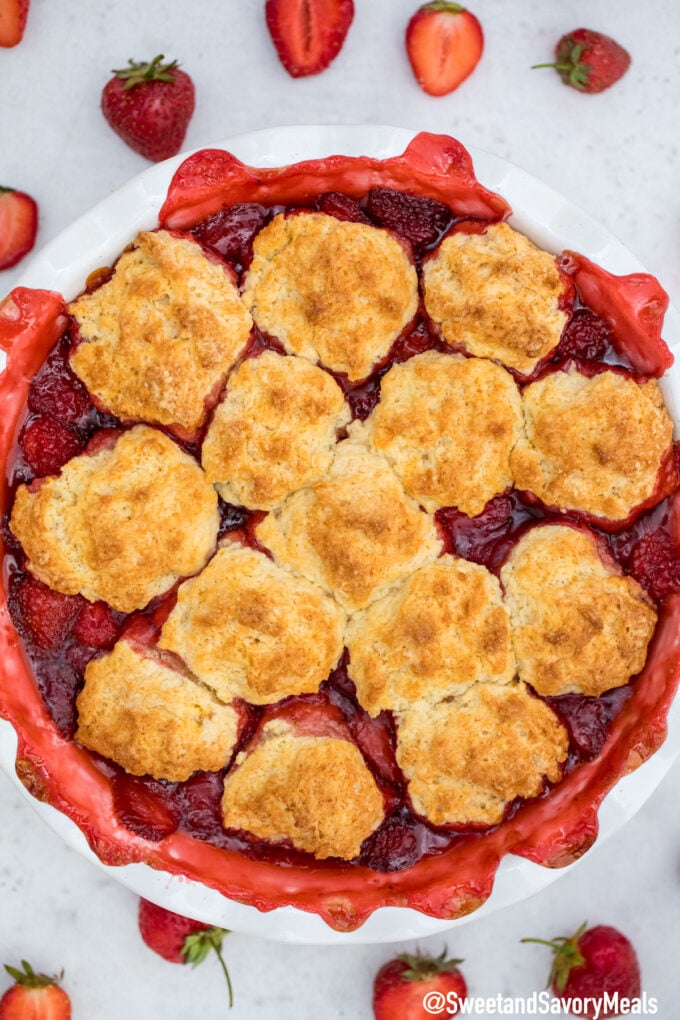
71, 632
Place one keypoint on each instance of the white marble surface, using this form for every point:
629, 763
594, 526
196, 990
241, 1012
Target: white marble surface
616, 155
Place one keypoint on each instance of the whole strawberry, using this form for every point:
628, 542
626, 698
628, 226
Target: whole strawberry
591, 963
444, 43
34, 996
416, 987
149, 105
18, 226
589, 61
180, 939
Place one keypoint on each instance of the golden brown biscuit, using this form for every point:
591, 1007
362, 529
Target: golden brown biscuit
149, 718
577, 623
332, 291
593, 444
447, 425
441, 630
119, 525
355, 533
251, 630
162, 333
275, 430
466, 758
497, 295
315, 792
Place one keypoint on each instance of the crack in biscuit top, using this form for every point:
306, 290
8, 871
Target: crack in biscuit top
331, 290
160, 336
356, 533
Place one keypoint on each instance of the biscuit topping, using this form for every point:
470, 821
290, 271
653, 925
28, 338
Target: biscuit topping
162, 333
332, 291
119, 525
447, 425
441, 630
249, 629
578, 624
467, 758
592, 443
315, 792
497, 295
151, 719
356, 533
274, 432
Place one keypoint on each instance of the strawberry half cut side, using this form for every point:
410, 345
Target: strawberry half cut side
444, 42
308, 34
18, 223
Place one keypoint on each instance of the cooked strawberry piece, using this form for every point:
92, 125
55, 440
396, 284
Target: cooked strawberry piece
485, 538
655, 563
589, 61
200, 799
444, 42
34, 996
415, 342
18, 223
47, 444
97, 625
393, 846
232, 518
420, 220
13, 15
57, 391
585, 336
588, 719
341, 206
232, 231
149, 105
308, 34
44, 616
143, 806
59, 684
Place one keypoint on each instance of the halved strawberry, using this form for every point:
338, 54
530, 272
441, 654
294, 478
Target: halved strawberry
44, 615
13, 14
34, 996
18, 222
308, 34
444, 42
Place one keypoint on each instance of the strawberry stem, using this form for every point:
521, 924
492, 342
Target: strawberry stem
443, 5
196, 947
567, 956
152, 70
422, 968
27, 977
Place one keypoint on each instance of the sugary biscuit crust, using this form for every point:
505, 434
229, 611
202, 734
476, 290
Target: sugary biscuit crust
162, 333
356, 533
250, 629
443, 629
593, 444
497, 294
152, 720
315, 792
447, 425
274, 432
467, 758
332, 291
578, 624
119, 525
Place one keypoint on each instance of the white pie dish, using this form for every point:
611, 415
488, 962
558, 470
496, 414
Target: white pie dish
553, 223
